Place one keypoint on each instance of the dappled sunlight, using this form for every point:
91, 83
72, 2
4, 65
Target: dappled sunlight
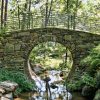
53, 63
51, 55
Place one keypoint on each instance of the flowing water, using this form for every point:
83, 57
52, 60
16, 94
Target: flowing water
26, 96
57, 89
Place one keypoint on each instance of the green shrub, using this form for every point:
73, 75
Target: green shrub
93, 60
75, 85
88, 80
79, 82
95, 64
24, 83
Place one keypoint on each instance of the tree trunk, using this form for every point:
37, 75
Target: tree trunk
2, 9
5, 15
29, 12
68, 13
46, 13
18, 14
75, 14
24, 20
49, 11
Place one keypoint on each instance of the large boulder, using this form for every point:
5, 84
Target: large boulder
8, 96
6, 90
8, 86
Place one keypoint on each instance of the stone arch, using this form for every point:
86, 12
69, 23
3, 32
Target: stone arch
46, 38
15, 47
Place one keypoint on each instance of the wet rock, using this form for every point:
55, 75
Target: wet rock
37, 68
8, 96
8, 86
6, 90
2, 90
97, 95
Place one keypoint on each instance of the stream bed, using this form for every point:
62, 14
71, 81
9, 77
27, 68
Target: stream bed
26, 96
50, 87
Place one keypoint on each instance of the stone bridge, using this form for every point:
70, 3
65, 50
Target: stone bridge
17, 45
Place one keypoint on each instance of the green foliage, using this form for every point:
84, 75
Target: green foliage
63, 66
2, 31
95, 65
80, 81
88, 80
92, 61
92, 75
75, 85
18, 77
18, 91
48, 52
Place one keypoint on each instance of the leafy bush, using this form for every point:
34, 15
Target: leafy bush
75, 85
80, 81
91, 76
88, 80
95, 64
18, 77
94, 55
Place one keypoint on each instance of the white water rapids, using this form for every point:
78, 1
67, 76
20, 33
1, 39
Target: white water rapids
59, 93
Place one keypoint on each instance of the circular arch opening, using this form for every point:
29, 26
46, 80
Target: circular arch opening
50, 56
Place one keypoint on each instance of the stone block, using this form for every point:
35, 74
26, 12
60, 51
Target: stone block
9, 47
23, 34
68, 37
17, 47
1, 49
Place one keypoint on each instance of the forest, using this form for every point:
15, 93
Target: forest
49, 49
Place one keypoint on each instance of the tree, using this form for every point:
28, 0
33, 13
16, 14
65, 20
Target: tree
2, 11
18, 12
5, 15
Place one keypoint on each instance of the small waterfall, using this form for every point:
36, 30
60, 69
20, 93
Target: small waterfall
58, 92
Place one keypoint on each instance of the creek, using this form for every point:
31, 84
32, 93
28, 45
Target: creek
55, 84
